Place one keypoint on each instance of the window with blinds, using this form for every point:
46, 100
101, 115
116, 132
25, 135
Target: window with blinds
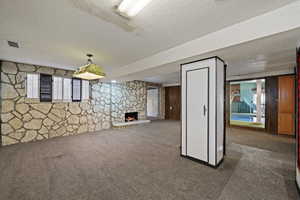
67, 91
32, 86
57, 88
45, 88
48, 88
76, 90
85, 90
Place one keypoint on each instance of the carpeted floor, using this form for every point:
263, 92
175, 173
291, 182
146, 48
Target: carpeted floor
143, 162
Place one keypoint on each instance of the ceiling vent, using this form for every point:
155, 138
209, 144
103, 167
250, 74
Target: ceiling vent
13, 44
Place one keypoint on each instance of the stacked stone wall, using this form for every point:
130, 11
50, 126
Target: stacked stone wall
24, 119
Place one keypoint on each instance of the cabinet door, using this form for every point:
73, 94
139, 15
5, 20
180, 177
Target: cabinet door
197, 113
286, 104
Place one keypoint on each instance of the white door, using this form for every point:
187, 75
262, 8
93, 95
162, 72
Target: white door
197, 114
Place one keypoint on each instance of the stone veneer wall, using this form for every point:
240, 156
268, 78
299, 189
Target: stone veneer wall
128, 97
24, 120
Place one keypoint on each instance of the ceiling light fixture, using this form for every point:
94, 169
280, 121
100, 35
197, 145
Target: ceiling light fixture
132, 7
90, 71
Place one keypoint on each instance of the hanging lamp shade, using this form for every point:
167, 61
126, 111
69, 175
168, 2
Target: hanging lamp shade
90, 71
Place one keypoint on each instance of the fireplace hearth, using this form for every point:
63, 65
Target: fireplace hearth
131, 116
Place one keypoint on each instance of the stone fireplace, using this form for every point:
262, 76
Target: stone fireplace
131, 116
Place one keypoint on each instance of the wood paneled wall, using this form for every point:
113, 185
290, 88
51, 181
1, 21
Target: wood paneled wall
271, 105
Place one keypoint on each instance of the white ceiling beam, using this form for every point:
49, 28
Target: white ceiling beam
274, 22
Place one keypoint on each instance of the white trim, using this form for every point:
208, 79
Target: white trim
261, 74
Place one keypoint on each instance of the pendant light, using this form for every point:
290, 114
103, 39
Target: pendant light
90, 71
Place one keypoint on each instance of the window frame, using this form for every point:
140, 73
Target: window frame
51, 88
76, 100
62, 89
38, 88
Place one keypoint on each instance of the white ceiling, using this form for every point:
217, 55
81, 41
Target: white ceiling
60, 32
274, 53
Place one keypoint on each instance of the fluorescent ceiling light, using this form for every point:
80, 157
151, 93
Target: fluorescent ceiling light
113, 81
132, 7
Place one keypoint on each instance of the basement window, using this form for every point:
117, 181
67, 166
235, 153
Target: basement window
45, 88
32, 86
76, 90
49, 88
57, 88
67, 91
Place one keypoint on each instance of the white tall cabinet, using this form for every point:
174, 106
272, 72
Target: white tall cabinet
202, 90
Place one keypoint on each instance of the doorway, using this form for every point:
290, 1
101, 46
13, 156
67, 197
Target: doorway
247, 103
172, 102
152, 102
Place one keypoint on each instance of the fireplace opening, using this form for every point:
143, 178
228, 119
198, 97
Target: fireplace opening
132, 116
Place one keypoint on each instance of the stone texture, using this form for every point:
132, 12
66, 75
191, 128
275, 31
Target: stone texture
37, 114
128, 97
34, 124
73, 119
18, 135
22, 108
6, 129
43, 130
9, 68
4, 78
16, 123
83, 120
7, 106
60, 72
29, 136
18, 115
42, 107
46, 70
20, 78
59, 113
48, 122
26, 68
8, 91
12, 79
8, 141
75, 109
27, 119
6, 117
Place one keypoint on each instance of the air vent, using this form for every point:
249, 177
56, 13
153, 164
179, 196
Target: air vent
13, 44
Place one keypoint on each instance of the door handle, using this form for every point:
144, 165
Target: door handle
171, 108
204, 110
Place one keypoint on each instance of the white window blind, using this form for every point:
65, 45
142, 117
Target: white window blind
85, 90
32, 86
67, 89
76, 89
57, 88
